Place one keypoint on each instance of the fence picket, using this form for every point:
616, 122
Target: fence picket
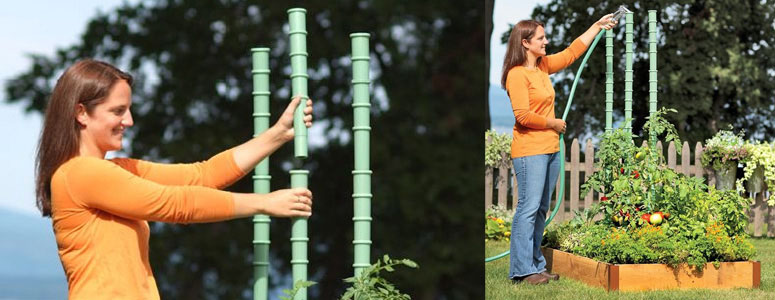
503, 188
685, 162
589, 168
698, 169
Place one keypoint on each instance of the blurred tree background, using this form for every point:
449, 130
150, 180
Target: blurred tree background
716, 63
192, 99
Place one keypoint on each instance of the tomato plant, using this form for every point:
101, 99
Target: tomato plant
653, 214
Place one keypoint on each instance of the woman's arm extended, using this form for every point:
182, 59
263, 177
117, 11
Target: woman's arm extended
606, 22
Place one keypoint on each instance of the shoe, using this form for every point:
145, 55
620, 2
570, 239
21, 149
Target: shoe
534, 279
550, 275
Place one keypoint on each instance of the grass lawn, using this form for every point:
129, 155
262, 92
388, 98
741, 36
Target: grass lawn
497, 286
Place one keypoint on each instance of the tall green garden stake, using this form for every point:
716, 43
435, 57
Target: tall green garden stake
299, 238
261, 178
298, 54
653, 69
298, 37
628, 71
609, 79
361, 172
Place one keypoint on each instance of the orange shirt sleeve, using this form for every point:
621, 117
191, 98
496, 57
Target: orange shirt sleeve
218, 172
517, 86
100, 184
561, 60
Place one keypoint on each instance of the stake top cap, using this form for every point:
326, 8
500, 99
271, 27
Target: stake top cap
297, 9
260, 49
360, 34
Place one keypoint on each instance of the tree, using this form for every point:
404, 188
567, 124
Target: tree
192, 99
714, 60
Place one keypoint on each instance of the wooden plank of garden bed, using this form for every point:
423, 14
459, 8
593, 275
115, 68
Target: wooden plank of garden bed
583, 269
641, 277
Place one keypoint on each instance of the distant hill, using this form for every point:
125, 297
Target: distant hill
29, 263
501, 115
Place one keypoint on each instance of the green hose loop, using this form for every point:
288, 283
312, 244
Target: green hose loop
561, 190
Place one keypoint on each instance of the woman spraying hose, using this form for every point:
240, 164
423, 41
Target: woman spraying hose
100, 208
535, 146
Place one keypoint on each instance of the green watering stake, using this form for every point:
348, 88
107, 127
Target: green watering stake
609, 80
361, 172
653, 70
628, 71
298, 41
561, 190
261, 178
298, 54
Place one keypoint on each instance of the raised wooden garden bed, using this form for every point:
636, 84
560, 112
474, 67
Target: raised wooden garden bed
639, 277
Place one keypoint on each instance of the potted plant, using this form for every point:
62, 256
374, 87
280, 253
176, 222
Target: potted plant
722, 153
759, 169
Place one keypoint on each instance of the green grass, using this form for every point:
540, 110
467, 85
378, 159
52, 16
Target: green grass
498, 286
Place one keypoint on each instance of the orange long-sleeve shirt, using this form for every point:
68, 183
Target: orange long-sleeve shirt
100, 210
532, 99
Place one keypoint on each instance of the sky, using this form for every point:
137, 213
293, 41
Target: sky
31, 26
504, 13
40, 27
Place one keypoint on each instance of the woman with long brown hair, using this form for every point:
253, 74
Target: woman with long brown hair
535, 144
100, 207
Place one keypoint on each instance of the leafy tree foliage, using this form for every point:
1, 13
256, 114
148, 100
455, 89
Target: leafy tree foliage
715, 62
192, 99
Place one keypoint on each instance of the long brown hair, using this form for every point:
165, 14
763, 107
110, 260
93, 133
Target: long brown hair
86, 82
516, 55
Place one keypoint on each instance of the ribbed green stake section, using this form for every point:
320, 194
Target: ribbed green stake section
361, 172
609, 79
261, 178
298, 37
299, 239
628, 71
653, 68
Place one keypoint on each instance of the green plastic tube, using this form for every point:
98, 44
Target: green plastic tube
261, 177
298, 54
361, 172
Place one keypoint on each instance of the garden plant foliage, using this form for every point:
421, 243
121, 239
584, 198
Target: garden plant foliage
696, 224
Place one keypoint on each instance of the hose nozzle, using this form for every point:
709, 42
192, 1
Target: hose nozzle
620, 12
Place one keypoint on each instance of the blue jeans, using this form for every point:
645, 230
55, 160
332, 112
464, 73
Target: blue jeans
536, 177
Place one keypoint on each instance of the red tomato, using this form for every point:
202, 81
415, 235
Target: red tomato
646, 217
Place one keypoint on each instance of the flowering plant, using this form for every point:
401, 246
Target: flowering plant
761, 156
724, 148
494, 150
496, 228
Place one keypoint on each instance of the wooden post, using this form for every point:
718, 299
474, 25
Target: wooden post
574, 176
488, 180
698, 170
589, 168
671, 159
503, 187
685, 156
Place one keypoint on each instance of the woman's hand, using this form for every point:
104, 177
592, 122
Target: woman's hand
557, 124
296, 202
606, 22
285, 123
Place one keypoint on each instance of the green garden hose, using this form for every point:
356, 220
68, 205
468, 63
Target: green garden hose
561, 190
